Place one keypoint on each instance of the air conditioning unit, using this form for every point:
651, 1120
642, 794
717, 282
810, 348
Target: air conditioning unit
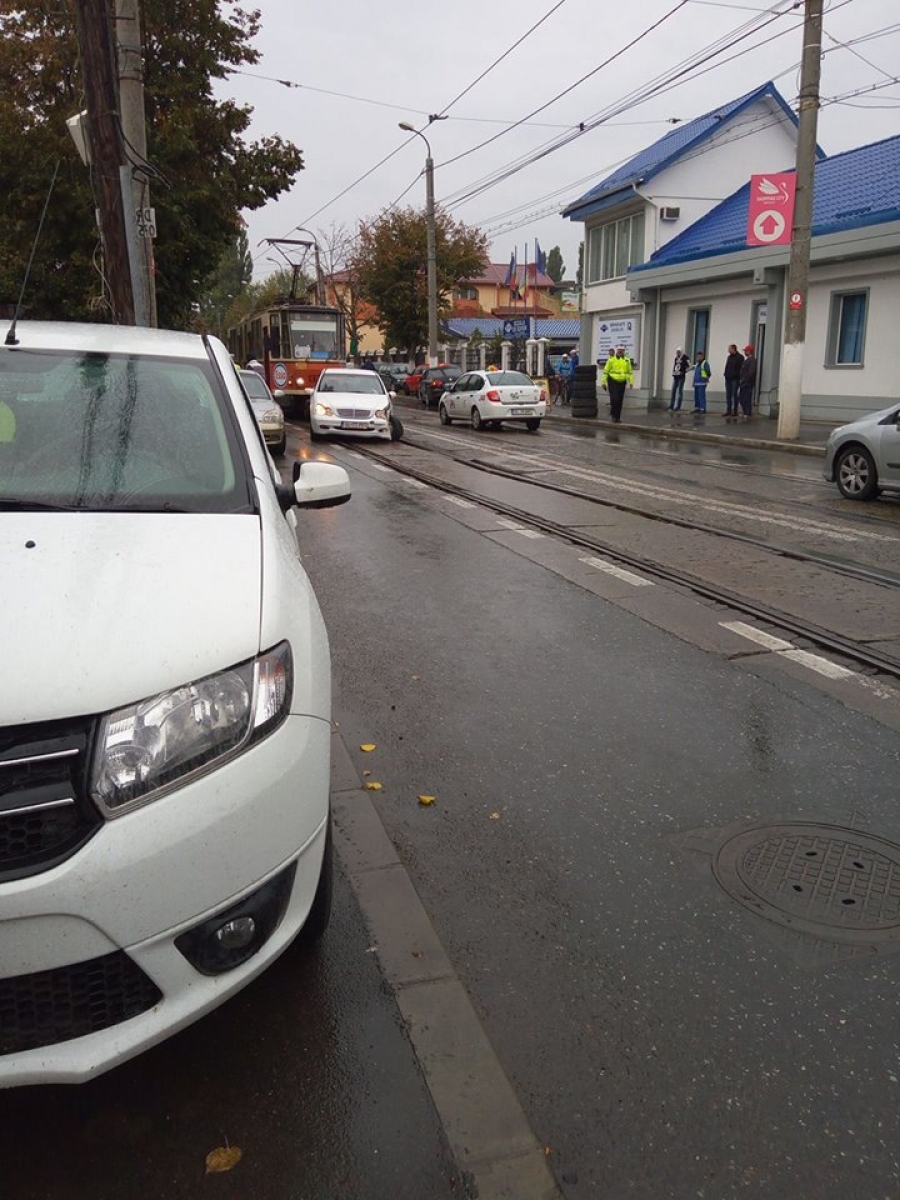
669, 212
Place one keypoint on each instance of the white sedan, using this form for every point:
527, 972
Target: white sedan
489, 397
354, 402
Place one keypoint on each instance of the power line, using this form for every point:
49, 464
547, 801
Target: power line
578, 82
406, 142
661, 83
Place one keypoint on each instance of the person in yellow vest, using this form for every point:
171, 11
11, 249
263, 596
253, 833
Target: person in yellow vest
616, 374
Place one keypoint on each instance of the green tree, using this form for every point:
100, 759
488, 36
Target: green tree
579, 274
391, 264
556, 268
230, 279
201, 169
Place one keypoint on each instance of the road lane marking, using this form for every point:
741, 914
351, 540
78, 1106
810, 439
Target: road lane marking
458, 500
416, 483
821, 665
814, 662
619, 572
742, 629
515, 527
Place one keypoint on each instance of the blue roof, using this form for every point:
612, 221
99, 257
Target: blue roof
857, 188
667, 151
550, 327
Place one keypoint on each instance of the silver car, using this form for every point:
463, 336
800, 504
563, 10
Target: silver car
269, 413
863, 458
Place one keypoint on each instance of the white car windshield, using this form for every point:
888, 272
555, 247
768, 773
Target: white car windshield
366, 383
104, 431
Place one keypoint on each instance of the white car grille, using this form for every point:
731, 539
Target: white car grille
355, 414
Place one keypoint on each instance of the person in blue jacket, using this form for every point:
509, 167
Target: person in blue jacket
702, 373
566, 373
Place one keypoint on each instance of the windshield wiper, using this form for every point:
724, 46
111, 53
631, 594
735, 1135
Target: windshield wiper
15, 504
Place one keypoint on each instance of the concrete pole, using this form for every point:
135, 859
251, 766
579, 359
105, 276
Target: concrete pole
790, 390
136, 193
432, 262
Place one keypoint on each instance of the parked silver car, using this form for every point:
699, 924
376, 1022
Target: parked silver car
863, 458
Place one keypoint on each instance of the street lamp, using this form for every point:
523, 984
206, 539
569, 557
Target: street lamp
432, 249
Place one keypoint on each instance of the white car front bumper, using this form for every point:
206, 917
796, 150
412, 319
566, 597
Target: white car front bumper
140, 882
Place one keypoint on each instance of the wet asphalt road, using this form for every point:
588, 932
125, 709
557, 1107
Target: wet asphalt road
664, 1040
308, 1071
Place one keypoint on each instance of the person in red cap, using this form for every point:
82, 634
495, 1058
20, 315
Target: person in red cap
747, 382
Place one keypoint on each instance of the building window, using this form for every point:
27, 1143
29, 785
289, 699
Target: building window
614, 247
465, 292
847, 329
698, 331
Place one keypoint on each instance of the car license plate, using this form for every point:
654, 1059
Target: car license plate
354, 424
523, 412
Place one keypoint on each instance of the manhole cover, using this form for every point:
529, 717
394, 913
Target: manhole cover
834, 883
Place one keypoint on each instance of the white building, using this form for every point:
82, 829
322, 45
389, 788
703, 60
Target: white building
642, 206
708, 288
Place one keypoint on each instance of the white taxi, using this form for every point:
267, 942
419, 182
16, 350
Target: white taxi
489, 397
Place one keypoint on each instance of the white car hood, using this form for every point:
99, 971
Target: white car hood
102, 609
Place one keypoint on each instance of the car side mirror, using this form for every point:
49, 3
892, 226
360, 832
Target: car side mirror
315, 485
393, 395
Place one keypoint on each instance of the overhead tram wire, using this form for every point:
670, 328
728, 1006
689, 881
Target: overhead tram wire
443, 111
500, 176
578, 82
843, 98
656, 86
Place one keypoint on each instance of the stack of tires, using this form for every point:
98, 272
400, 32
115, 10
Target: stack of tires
584, 392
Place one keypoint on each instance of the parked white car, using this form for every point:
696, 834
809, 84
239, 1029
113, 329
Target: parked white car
350, 402
489, 397
267, 410
165, 696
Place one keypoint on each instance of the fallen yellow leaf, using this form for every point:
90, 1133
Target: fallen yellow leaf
373, 786
223, 1158
495, 816
367, 746
426, 800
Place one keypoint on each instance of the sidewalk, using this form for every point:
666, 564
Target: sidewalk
759, 433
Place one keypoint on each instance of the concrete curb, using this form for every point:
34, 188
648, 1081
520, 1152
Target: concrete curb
695, 435
484, 1123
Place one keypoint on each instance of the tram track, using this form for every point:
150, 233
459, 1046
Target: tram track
825, 639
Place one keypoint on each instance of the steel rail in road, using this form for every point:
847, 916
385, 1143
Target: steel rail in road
852, 570
823, 638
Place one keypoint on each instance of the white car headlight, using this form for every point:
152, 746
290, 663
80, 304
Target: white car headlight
274, 415
146, 749
383, 413
324, 410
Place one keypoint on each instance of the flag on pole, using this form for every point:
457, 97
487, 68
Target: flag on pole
540, 259
511, 273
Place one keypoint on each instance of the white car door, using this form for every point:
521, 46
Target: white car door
454, 397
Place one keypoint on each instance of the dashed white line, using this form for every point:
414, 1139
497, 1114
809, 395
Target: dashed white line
459, 502
608, 568
742, 629
522, 530
814, 662
416, 483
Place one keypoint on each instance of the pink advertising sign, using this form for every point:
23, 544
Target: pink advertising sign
770, 214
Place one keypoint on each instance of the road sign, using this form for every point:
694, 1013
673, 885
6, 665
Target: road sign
146, 222
796, 300
770, 211
516, 328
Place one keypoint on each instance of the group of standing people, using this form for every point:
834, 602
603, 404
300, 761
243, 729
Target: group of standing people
740, 381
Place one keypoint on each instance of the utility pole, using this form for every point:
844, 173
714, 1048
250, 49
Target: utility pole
136, 187
431, 242
790, 389
94, 28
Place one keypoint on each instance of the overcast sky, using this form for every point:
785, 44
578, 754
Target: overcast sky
415, 59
